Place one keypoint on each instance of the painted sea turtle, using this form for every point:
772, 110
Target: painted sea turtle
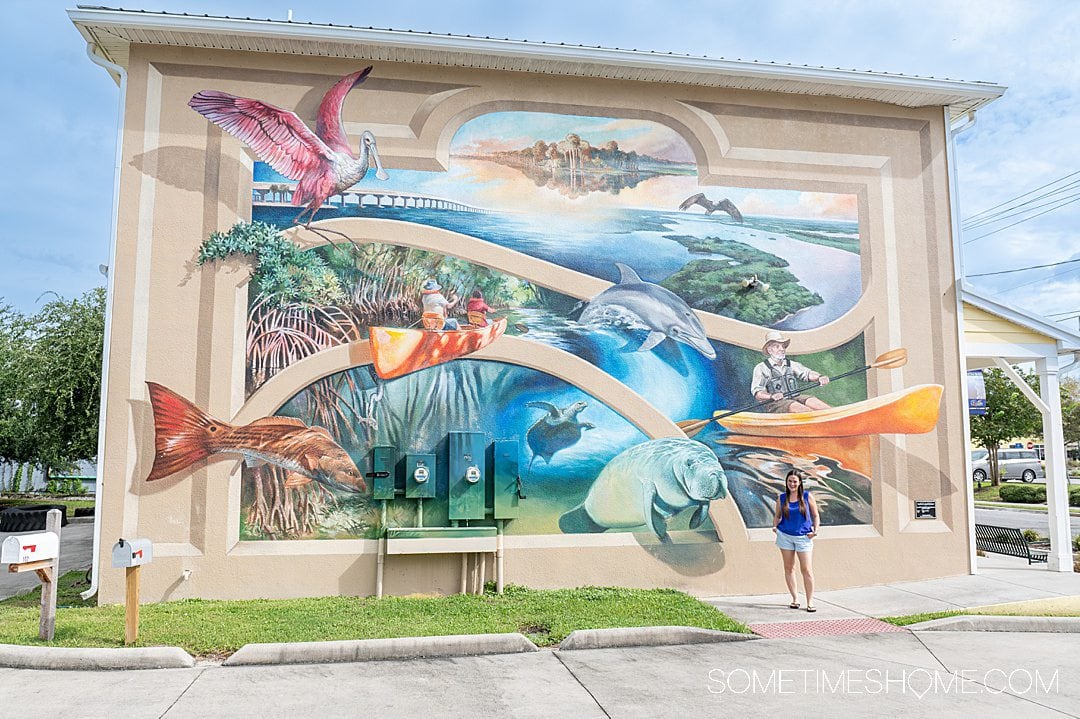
556, 430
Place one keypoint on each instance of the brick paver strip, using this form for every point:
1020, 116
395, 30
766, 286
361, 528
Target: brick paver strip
824, 627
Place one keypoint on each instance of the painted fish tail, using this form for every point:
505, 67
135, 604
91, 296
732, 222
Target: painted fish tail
183, 432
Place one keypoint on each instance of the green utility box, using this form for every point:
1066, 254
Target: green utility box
467, 470
382, 475
508, 489
419, 476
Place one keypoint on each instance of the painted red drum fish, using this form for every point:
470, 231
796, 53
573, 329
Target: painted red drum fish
184, 435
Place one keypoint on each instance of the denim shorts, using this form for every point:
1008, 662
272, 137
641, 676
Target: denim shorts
800, 543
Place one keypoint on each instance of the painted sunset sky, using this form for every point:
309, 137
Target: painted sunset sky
490, 185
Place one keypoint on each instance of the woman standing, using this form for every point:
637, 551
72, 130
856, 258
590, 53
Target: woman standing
796, 523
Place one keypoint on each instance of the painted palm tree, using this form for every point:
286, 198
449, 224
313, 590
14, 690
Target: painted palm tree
321, 162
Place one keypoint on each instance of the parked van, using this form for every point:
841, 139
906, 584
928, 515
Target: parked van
1022, 464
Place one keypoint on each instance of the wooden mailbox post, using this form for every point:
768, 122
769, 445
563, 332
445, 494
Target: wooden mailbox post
39, 553
131, 554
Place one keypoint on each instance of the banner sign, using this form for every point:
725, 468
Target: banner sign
976, 387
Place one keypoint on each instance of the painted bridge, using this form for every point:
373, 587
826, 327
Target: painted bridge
274, 194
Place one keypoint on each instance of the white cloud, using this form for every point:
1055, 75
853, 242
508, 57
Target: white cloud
65, 116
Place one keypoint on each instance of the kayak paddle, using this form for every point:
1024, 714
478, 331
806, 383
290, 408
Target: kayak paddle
893, 359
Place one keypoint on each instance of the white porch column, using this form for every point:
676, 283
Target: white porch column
1057, 497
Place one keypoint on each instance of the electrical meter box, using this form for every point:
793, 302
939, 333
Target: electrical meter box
132, 553
467, 470
381, 478
23, 548
419, 476
508, 489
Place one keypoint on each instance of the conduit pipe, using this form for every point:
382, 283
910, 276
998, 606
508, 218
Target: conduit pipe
93, 53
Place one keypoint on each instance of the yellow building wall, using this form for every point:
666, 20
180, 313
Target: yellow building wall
981, 327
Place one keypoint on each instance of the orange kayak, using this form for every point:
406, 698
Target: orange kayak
910, 411
396, 352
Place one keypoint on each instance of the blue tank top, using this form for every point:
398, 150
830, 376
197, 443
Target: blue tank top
796, 524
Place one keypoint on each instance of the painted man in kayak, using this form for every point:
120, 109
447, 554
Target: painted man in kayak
436, 308
777, 376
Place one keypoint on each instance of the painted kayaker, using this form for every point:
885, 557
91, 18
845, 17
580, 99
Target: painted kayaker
778, 375
436, 307
478, 309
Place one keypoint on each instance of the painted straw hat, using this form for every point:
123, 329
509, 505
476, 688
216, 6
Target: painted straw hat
774, 336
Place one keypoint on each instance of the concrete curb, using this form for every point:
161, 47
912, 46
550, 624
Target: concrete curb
365, 650
998, 623
647, 637
16, 656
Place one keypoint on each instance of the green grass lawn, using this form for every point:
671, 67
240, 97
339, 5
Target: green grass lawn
990, 494
923, 617
72, 504
204, 627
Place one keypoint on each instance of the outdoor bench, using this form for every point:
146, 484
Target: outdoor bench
1005, 540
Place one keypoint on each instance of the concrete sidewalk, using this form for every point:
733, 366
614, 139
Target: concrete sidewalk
1000, 580
940, 674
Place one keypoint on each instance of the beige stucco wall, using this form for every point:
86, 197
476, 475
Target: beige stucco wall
183, 326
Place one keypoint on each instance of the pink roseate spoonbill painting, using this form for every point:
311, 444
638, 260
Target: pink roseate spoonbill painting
321, 162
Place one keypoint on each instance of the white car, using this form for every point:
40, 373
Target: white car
1022, 464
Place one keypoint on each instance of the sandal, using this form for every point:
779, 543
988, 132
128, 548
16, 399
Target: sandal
793, 605
811, 608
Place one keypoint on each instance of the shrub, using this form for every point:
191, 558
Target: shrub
1030, 535
16, 481
72, 486
1023, 493
1074, 496
1076, 543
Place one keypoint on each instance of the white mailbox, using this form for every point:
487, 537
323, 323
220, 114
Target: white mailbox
132, 553
24, 548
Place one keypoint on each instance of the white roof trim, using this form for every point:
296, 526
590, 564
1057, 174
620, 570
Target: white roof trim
112, 30
1067, 341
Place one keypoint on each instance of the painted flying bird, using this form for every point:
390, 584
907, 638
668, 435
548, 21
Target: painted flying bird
710, 207
321, 161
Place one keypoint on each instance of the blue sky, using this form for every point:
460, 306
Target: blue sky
60, 110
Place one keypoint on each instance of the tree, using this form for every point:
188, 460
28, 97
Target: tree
1070, 409
1009, 414
60, 386
16, 445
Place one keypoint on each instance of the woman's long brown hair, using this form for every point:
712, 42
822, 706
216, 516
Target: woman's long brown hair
787, 496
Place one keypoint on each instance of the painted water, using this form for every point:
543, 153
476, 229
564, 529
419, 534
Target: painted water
589, 234
642, 239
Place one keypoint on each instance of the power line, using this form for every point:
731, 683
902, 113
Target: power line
1041, 279
1024, 269
980, 219
994, 232
1014, 211
1054, 182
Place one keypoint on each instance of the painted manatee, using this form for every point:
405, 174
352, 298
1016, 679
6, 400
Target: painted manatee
648, 484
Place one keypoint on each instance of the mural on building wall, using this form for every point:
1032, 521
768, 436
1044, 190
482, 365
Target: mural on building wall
592, 198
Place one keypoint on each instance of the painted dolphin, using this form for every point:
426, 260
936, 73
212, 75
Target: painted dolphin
648, 484
636, 304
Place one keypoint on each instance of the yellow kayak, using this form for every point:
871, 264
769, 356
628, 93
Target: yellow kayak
909, 411
396, 352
